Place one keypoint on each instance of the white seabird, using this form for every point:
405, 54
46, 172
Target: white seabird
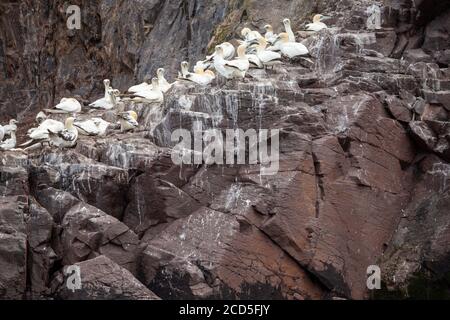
128, 121
219, 64
269, 35
10, 143
105, 102
40, 134
317, 24
228, 54
267, 58
153, 95
66, 138
200, 76
11, 126
140, 87
240, 65
164, 85
2, 133
291, 49
250, 35
287, 27
92, 127
66, 105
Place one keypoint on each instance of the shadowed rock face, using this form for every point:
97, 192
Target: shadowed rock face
363, 159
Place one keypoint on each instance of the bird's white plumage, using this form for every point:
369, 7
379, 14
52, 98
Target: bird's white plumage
288, 28
2, 133
153, 95
10, 143
293, 49
41, 132
128, 121
139, 87
92, 127
11, 126
316, 26
254, 61
66, 138
68, 105
240, 65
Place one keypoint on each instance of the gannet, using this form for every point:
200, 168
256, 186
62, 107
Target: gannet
40, 117
12, 126
200, 76
250, 35
317, 24
10, 143
240, 65
66, 138
267, 58
270, 36
203, 64
164, 86
254, 61
219, 64
153, 95
291, 49
228, 54
105, 102
40, 134
66, 105
128, 121
140, 87
287, 26
92, 127
2, 133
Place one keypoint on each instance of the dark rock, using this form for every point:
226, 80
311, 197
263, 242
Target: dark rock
222, 262
13, 248
423, 135
41, 256
88, 232
103, 279
398, 109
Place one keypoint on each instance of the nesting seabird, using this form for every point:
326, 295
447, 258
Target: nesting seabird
317, 24
240, 65
153, 95
250, 35
92, 127
140, 87
2, 133
10, 143
164, 85
287, 27
269, 35
66, 138
267, 58
66, 105
40, 134
219, 64
200, 76
128, 120
106, 102
291, 49
11, 126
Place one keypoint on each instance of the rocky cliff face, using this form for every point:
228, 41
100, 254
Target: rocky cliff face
364, 156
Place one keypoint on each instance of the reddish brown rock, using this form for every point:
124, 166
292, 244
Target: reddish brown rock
231, 259
103, 279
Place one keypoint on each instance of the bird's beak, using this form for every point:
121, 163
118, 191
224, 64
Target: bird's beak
325, 18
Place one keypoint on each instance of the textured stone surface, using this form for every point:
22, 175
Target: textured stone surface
102, 279
364, 154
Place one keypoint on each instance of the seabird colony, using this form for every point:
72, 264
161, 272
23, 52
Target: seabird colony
254, 51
